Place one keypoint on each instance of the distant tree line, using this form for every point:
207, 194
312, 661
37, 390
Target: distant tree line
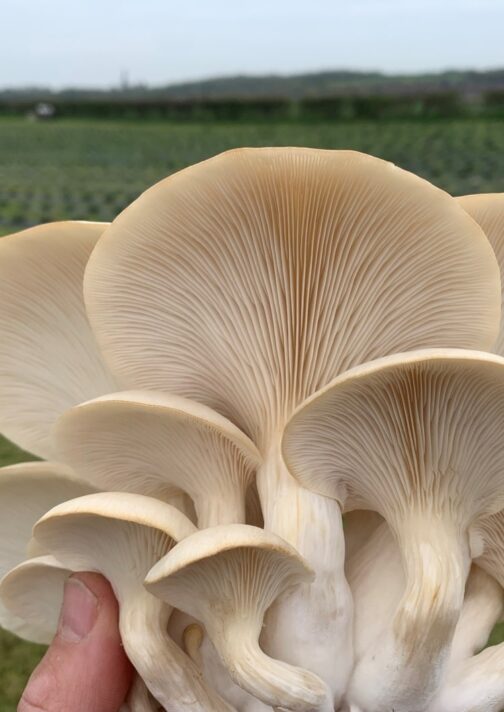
439, 105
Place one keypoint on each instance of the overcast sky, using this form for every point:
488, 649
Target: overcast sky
91, 42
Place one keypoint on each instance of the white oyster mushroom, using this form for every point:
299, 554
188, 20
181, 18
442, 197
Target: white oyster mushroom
227, 577
121, 536
249, 281
33, 591
49, 359
27, 491
432, 424
158, 444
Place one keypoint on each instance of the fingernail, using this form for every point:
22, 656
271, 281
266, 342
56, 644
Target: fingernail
80, 611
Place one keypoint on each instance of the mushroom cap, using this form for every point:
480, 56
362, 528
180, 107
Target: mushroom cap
234, 567
33, 593
417, 430
156, 444
491, 531
27, 491
118, 534
488, 211
250, 280
43, 318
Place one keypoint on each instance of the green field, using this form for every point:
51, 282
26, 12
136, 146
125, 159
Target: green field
91, 170
61, 170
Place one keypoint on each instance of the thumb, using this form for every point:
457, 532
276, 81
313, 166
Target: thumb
85, 668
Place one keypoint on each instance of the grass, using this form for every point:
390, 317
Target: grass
92, 169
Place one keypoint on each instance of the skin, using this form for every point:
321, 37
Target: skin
85, 667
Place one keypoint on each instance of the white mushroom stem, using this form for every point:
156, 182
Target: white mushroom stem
261, 675
227, 508
171, 677
404, 669
483, 608
310, 626
476, 684
201, 651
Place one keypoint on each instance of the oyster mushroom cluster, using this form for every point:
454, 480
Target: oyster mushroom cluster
269, 403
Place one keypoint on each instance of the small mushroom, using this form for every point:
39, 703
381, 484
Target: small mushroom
226, 577
33, 592
432, 423
158, 444
27, 491
122, 536
249, 281
49, 359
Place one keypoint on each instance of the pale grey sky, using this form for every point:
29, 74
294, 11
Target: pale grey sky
90, 42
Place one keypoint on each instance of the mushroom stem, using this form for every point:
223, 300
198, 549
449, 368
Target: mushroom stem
226, 508
310, 626
477, 684
171, 677
403, 670
263, 677
483, 608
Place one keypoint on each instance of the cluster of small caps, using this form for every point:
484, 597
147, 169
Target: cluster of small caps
298, 498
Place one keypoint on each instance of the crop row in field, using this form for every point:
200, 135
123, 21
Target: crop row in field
91, 170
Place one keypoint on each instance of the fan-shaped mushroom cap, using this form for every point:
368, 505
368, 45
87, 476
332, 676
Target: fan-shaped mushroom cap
49, 359
158, 444
122, 535
227, 577
27, 491
250, 280
488, 211
118, 534
432, 425
33, 592
431, 421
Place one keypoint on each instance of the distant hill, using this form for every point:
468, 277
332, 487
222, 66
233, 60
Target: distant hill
320, 84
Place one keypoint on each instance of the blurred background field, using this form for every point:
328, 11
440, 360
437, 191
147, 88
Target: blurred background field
91, 169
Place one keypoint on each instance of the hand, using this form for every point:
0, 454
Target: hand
85, 668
